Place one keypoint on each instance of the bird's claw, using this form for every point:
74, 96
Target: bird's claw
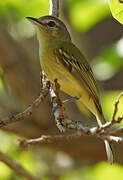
60, 126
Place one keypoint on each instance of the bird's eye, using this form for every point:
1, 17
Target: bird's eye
51, 24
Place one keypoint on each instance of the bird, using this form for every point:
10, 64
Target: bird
61, 59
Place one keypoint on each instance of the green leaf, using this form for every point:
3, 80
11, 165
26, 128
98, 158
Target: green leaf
116, 7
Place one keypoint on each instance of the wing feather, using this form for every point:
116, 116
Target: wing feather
72, 59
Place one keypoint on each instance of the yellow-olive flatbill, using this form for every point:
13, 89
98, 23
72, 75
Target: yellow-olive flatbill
61, 59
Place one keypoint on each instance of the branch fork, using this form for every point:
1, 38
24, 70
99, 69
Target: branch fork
63, 123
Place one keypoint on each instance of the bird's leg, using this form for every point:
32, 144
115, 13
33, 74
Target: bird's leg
57, 91
61, 119
57, 106
43, 80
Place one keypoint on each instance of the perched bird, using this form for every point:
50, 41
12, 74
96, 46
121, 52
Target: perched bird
61, 59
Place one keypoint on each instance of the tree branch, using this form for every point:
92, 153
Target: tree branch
116, 131
13, 118
16, 167
54, 8
52, 138
63, 123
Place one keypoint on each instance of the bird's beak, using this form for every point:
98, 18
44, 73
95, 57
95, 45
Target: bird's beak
34, 21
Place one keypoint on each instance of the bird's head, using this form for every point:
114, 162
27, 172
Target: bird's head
50, 27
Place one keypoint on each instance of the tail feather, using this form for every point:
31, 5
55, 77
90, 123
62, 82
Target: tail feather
101, 120
109, 152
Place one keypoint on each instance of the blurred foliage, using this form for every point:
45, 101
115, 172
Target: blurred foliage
110, 59
86, 13
23, 8
99, 171
83, 13
117, 9
28, 160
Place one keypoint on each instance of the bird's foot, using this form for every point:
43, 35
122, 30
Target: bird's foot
73, 124
60, 125
64, 124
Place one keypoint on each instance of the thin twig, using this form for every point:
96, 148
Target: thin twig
116, 131
16, 167
113, 119
111, 139
110, 123
45, 139
116, 107
54, 8
13, 118
52, 138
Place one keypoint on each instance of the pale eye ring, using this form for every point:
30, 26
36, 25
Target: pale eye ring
51, 24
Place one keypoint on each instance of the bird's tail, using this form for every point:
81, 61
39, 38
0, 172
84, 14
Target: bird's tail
101, 120
108, 152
